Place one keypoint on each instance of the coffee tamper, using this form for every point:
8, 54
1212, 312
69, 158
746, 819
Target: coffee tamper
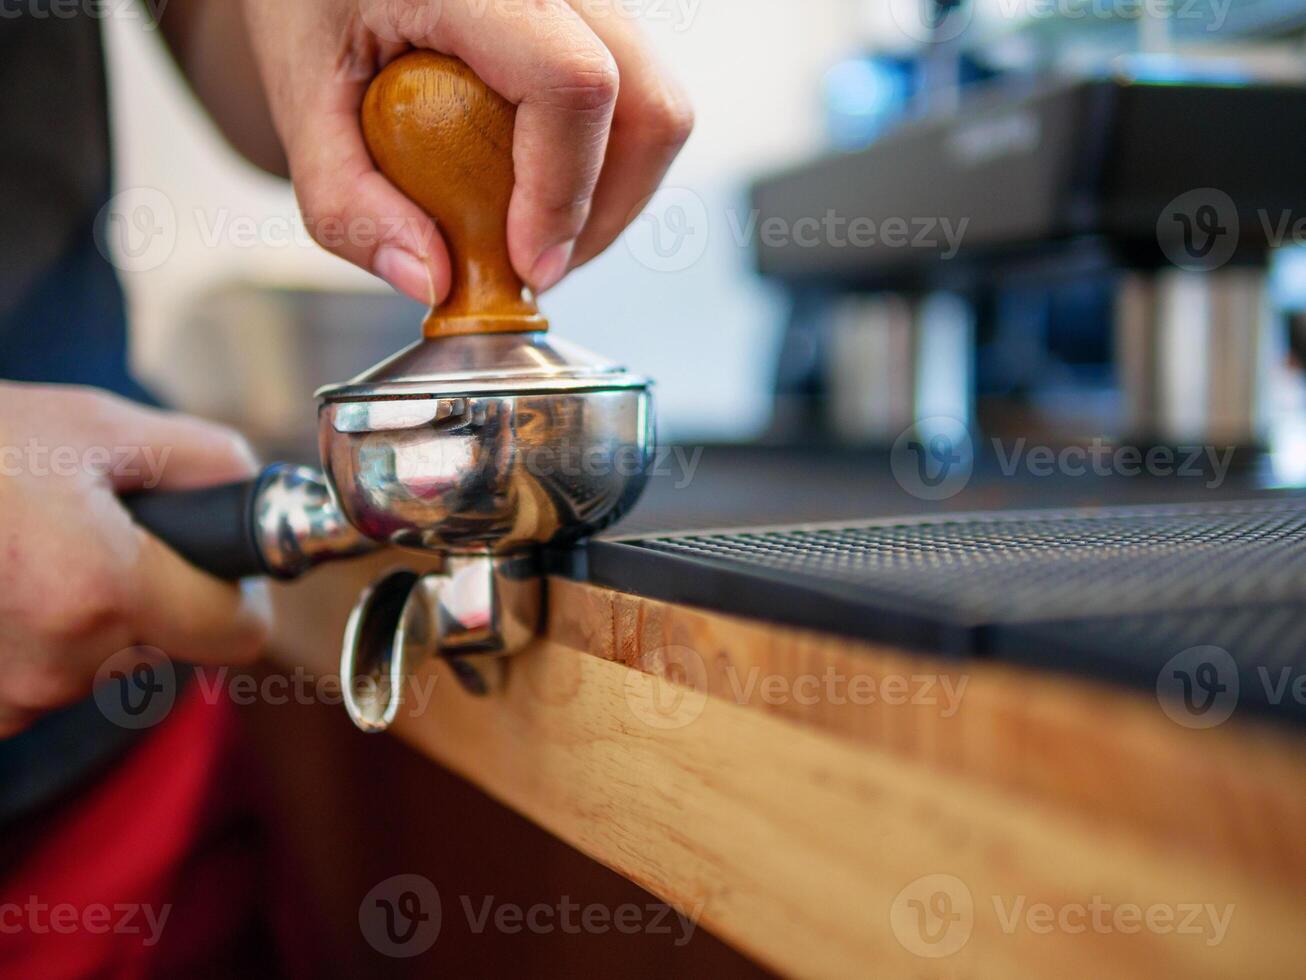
484, 443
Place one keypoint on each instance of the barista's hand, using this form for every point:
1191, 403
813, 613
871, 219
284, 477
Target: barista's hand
598, 124
78, 580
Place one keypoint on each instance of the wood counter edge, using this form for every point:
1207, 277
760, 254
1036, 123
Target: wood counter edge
682, 748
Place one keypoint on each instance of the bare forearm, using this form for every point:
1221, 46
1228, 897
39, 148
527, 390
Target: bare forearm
210, 43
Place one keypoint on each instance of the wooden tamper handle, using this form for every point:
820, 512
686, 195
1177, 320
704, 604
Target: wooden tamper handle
444, 138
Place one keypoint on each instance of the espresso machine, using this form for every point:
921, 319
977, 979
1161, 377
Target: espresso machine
1173, 193
482, 444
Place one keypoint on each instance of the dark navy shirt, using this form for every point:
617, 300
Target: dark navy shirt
61, 307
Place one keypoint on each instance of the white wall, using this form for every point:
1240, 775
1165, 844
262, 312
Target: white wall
706, 329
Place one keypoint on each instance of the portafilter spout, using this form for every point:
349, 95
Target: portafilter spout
484, 442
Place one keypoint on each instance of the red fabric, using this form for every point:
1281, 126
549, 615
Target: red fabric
156, 832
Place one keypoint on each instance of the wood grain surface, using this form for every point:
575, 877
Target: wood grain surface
837, 809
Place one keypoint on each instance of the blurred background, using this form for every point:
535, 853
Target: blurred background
829, 107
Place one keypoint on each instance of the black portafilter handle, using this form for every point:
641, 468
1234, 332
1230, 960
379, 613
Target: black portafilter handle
280, 524
212, 528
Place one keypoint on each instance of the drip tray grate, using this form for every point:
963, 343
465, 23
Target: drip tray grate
1114, 593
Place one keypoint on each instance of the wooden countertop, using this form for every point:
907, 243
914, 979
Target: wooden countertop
833, 808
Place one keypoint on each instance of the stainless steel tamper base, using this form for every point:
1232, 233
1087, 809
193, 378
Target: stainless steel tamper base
485, 450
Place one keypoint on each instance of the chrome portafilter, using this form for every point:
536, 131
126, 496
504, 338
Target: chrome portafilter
484, 443
485, 464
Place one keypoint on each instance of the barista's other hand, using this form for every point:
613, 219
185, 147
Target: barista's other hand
598, 124
78, 580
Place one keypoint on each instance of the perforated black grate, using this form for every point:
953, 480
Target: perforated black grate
1038, 567
1111, 592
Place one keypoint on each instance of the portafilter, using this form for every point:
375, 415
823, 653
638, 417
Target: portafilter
483, 443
